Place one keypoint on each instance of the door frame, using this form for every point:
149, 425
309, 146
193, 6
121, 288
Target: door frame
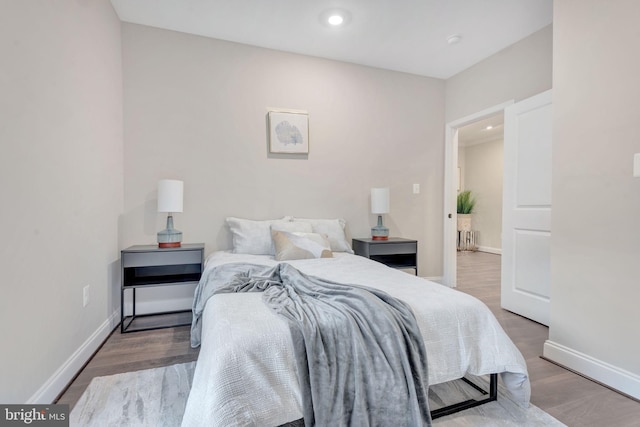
451, 188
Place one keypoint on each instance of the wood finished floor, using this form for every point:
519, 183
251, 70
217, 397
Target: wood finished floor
570, 398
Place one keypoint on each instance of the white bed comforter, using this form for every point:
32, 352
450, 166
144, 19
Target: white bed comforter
246, 371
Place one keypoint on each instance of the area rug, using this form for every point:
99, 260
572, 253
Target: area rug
157, 397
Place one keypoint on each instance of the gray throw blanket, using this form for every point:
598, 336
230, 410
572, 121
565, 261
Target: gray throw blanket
359, 353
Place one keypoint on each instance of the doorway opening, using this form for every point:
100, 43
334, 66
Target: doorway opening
480, 172
454, 181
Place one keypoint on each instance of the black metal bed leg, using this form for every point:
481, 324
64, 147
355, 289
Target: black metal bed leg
493, 387
471, 403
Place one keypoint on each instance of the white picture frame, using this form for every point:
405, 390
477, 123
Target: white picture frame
288, 132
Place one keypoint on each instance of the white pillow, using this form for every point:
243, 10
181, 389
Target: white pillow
254, 237
292, 227
333, 228
296, 245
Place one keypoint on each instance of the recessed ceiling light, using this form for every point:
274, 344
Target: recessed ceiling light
335, 18
489, 127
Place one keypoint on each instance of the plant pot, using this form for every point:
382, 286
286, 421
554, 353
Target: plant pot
464, 222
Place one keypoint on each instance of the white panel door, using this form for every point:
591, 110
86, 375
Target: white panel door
526, 209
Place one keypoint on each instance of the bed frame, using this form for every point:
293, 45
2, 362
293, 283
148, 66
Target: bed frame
492, 395
482, 392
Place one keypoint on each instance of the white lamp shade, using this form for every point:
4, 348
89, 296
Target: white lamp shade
379, 200
170, 193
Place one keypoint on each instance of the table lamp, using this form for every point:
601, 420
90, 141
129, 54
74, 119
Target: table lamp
170, 200
379, 206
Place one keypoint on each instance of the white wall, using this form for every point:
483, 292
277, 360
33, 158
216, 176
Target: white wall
462, 157
61, 173
595, 270
483, 177
517, 72
195, 109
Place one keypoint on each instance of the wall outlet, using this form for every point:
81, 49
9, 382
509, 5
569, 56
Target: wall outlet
636, 165
85, 296
416, 188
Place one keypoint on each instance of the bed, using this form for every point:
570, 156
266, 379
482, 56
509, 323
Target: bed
246, 371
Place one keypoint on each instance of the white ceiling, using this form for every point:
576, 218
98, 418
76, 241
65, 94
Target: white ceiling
401, 35
478, 132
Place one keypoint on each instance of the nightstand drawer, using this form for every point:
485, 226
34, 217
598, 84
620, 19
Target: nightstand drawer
166, 257
393, 248
394, 252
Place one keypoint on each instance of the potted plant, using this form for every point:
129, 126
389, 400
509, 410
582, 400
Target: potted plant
466, 203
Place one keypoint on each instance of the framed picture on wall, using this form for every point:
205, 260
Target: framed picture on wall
289, 132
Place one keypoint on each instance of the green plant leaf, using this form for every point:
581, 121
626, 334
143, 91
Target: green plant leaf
466, 202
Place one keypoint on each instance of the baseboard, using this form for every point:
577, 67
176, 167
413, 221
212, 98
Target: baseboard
618, 379
437, 279
497, 251
61, 378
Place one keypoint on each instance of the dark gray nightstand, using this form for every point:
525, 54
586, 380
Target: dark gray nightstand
145, 266
395, 252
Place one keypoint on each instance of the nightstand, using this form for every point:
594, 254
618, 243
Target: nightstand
395, 252
146, 266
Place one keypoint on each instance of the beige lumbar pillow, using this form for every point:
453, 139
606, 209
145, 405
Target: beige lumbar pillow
297, 245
